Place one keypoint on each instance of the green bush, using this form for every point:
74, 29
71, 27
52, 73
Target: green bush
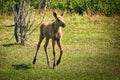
104, 7
6, 6
35, 4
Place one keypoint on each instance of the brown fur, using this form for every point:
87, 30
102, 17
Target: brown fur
51, 30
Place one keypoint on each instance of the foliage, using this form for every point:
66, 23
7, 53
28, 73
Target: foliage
104, 7
35, 4
6, 6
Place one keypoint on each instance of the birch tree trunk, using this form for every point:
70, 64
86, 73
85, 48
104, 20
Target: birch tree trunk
20, 14
17, 28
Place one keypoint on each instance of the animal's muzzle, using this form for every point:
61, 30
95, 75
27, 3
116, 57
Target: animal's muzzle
63, 25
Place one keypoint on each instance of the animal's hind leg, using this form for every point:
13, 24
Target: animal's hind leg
53, 44
61, 52
38, 46
45, 48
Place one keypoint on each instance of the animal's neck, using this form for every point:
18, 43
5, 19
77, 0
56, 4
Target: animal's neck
56, 27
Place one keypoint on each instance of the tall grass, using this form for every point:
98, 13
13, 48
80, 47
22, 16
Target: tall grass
91, 51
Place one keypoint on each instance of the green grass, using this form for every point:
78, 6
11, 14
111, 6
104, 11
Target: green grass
91, 51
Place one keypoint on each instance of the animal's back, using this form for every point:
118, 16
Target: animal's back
46, 29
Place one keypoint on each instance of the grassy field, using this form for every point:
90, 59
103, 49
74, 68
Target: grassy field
91, 51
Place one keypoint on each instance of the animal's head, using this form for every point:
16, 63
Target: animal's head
59, 19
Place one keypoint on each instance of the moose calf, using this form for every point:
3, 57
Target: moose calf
51, 30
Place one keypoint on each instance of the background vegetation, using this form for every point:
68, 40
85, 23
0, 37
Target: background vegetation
106, 7
103, 7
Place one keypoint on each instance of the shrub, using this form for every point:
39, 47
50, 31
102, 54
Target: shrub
104, 7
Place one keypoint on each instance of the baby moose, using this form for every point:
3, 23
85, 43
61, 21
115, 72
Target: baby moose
51, 30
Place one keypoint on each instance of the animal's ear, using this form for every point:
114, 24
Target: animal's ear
55, 14
63, 14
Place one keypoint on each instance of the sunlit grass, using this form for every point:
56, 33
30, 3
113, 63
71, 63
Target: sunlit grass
91, 48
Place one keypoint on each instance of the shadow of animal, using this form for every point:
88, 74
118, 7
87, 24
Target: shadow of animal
21, 66
9, 44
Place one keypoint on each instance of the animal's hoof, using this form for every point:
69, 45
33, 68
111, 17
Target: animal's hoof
48, 63
54, 66
34, 61
58, 62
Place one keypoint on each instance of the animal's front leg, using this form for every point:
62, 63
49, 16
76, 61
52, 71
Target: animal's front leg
53, 44
38, 46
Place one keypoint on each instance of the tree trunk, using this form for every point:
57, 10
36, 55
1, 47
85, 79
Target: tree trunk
43, 5
19, 19
17, 28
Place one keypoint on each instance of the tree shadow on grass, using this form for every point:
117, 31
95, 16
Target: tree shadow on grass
9, 44
21, 66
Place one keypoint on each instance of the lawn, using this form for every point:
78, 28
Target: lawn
91, 46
